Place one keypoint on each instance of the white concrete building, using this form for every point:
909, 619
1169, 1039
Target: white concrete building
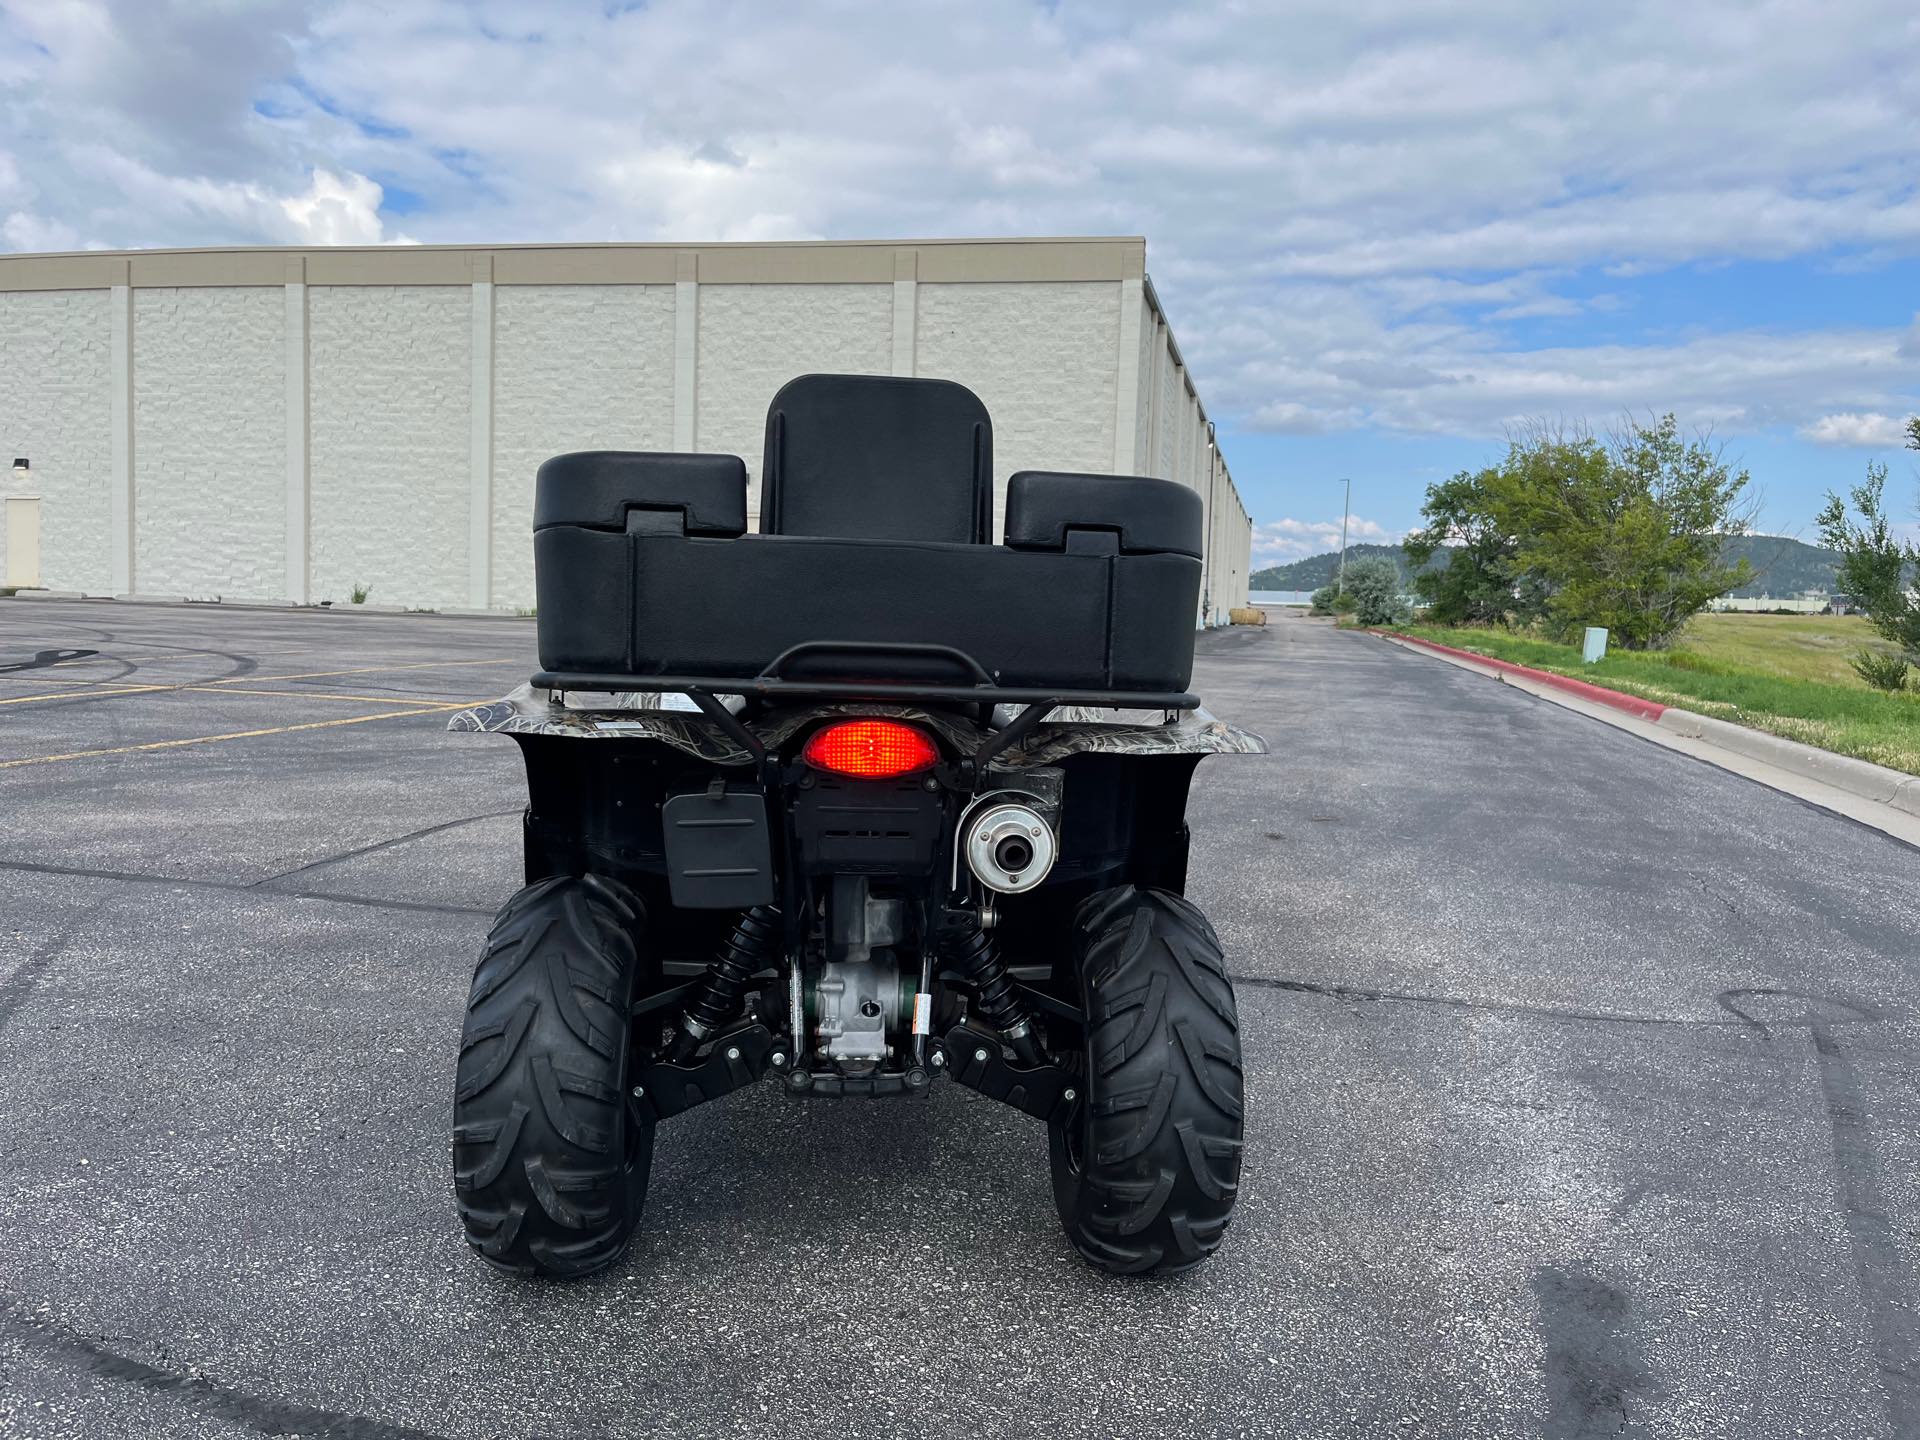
283, 425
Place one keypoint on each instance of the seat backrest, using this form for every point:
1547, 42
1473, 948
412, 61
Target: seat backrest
876, 457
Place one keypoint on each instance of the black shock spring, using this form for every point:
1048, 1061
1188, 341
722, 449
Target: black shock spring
753, 945
976, 955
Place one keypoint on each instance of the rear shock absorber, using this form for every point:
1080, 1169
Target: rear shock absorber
976, 955
753, 945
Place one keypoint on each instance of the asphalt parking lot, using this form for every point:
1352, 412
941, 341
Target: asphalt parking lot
1582, 1088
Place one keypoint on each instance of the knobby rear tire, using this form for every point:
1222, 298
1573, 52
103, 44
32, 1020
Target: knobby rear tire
550, 1156
1147, 1166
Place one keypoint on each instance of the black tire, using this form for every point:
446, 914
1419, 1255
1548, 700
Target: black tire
1146, 1167
550, 1158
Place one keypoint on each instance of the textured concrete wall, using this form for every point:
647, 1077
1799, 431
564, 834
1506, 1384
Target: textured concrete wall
755, 338
55, 409
576, 367
210, 442
1166, 402
415, 429
1144, 399
1043, 358
391, 400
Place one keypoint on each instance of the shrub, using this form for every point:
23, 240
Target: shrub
360, 593
1330, 600
1373, 585
1881, 670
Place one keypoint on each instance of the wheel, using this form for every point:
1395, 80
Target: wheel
550, 1157
1146, 1166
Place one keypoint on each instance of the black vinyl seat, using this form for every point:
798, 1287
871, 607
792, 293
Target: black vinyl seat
872, 457
873, 556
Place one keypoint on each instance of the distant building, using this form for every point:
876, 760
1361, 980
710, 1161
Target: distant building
288, 424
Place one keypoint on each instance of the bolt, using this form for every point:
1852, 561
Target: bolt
733, 1052
1035, 832
939, 1059
981, 1056
638, 1091
779, 1058
1066, 1094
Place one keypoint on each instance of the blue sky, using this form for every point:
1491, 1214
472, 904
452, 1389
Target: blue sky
1386, 232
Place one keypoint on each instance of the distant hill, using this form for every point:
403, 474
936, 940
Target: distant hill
1783, 566
1317, 570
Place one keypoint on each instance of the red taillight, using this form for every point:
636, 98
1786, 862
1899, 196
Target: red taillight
871, 749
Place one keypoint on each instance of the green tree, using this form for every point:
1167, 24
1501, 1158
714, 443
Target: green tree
1373, 585
1628, 534
1874, 565
1480, 581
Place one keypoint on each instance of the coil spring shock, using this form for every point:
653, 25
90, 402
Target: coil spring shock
753, 945
976, 955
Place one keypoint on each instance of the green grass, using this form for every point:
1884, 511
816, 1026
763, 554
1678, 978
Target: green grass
1793, 647
1787, 675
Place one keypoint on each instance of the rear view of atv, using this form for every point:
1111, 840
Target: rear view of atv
864, 803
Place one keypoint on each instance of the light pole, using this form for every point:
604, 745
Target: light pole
1346, 507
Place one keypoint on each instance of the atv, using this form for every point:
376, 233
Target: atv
863, 803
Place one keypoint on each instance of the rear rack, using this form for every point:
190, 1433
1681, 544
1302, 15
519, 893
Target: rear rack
773, 683
904, 692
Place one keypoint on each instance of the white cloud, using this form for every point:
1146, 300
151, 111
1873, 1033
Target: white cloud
1361, 213
1865, 432
25, 231
336, 210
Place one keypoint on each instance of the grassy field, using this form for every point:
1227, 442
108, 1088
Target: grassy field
1785, 674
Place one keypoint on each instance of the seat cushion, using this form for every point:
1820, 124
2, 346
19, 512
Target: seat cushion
877, 457
1148, 516
601, 489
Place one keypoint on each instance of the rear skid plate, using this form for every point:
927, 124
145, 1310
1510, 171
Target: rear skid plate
975, 1058
736, 1058
740, 1056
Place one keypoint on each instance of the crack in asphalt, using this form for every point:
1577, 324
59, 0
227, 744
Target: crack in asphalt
196, 1392
388, 844
237, 887
15, 989
1548, 1012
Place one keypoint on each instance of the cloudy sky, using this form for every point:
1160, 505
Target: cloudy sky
1385, 230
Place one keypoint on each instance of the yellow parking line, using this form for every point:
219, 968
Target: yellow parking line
231, 735
324, 695
73, 690
363, 670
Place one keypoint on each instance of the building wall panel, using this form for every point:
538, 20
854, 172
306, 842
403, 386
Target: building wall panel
755, 338
576, 367
1042, 357
391, 399
55, 409
210, 442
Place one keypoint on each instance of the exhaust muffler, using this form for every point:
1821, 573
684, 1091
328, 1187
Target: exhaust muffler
1009, 846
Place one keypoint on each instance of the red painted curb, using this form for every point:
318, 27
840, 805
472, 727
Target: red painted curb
1600, 695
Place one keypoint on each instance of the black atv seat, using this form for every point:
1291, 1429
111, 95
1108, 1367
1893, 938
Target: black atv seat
868, 457
872, 573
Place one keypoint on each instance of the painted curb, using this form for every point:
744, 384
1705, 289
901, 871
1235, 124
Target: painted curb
1598, 694
1859, 778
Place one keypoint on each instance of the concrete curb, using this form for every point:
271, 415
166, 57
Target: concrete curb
1859, 778
1598, 694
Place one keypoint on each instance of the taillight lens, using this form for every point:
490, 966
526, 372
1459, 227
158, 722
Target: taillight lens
870, 749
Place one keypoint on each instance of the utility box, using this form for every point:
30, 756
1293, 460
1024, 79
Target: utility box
23, 542
1596, 647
